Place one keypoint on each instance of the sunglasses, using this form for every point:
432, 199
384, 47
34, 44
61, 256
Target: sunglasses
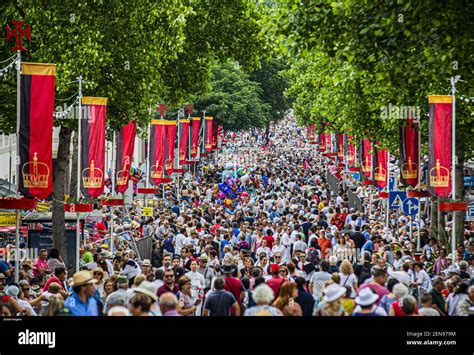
169, 276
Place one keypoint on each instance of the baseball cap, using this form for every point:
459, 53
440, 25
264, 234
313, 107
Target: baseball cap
274, 268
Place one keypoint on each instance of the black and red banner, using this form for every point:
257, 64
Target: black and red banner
196, 125
93, 146
349, 148
36, 129
208, 135
125, 146
380, 166
366, 158
157, 151
440, 142
184, 141
170, 146
322, 142
409, 155
340, 147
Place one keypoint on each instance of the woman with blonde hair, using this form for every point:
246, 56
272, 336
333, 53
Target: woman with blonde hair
55, 306
348, 278
331, 304
285, 301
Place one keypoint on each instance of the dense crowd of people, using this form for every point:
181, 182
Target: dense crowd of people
276, 239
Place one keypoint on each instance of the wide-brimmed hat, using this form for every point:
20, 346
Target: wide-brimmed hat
228, 269
29, 263
148, 288
452, 270
81, 278
366, 297
146, 262
333, 292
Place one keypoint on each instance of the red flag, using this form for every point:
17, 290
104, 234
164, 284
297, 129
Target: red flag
170, 145
409, 157
36, 129
380, 167
125, 145
183, 143
340, 146
328, 142
366, 158
322, 142
195, 136
208, 134
157, 150
93, 145
440, 141
215, 133
350, 150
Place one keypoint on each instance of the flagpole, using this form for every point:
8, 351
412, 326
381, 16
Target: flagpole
179, 154
18, 113
147, 166
388, 190
78, 187
111, 223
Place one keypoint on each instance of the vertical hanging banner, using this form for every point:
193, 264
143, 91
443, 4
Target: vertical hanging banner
170, 146
311, 135
340, 147
157, 151
440, 143
123, 160
215, 134
36, 129
329, 142
184, 140
208, 134
93, 146
322, 142
409, 157
366, 158
380, 166
220, 136
349, 148
195, 128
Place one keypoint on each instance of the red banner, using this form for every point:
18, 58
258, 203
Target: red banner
310, 134
440, 141
322, 142
93, 145
170, 145
329, 142
125, 145
184, 141
380, 167
366, 158
157, 150
36, 129
340, 146
349, 150
195, 137
208, 134
215, 135
409, 157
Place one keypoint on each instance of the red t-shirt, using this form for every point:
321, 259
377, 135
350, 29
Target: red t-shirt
235, 287
51, 280
399, 312
324, 244
270, 240
214, 227
275, 284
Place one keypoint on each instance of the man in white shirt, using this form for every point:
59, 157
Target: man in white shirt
179, 243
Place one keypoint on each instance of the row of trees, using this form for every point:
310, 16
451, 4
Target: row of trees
350, 58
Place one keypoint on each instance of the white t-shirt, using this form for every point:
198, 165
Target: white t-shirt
349, 280
179, 243
318, 279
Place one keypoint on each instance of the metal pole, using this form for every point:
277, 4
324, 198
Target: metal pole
454, 161
418, 246
147, 167
179, 154
111, 224
18, 113
78, 222
387, 211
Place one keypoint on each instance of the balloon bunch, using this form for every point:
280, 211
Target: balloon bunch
136, 175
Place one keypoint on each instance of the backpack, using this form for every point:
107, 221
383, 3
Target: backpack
313, 256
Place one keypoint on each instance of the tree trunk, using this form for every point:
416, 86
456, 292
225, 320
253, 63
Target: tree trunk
267, 132
73, 184
59, 240
459, 216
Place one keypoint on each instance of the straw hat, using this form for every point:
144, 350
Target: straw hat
29, 263
333, 292
149, 289
146, 262
366, 297
81, 278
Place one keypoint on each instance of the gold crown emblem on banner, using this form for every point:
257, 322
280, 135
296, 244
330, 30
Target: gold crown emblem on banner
439, 175
182, 155
169, 164
122, 175
92, 177
194, 150
157, 171
39, 178
350, 156
341, 151
410, 170
208, 144
367, 166
380, 174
